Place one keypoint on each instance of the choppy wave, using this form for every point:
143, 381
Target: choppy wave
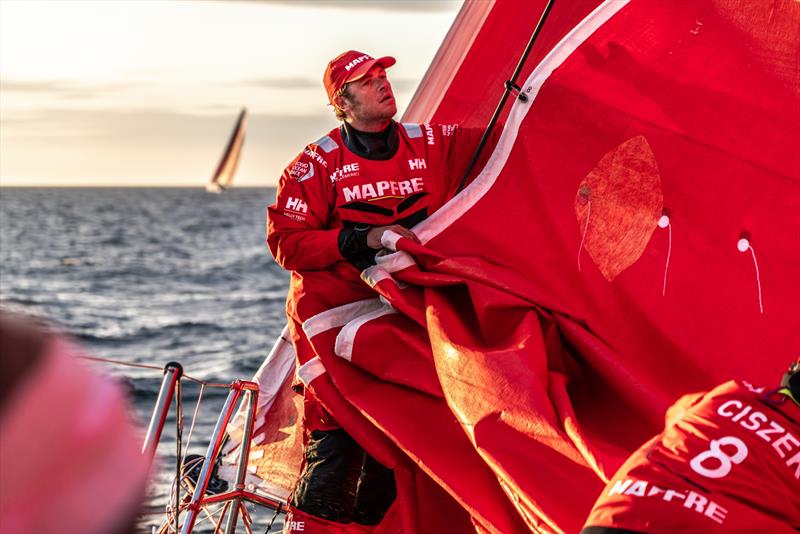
149, 276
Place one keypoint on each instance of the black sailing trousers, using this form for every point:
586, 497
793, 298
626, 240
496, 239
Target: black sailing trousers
340, 482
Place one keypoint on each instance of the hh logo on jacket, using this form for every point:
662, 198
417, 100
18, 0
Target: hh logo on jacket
417, 164
297, 205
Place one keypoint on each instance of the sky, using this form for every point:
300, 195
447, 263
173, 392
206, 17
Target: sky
145, 93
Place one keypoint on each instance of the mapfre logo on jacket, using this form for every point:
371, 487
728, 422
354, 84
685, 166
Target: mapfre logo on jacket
383, 189
345, 171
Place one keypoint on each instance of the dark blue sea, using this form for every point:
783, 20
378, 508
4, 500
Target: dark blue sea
149, 276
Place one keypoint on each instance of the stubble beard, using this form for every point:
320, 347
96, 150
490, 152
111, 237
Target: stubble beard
357, 109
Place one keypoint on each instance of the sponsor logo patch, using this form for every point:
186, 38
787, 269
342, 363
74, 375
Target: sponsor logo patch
417, 164
429, 134
356, 61
301, 170
686, 499
295, 216
296, 205
449, 129
316, 157
383, 189
345, 171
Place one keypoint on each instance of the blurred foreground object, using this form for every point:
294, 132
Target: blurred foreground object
70, 456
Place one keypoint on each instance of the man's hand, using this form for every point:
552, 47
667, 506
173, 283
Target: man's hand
375, 234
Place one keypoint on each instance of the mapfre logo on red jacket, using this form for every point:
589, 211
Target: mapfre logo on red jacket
345, 171
383, 189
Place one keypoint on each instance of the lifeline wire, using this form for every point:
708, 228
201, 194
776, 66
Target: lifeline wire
145, 366
173, 512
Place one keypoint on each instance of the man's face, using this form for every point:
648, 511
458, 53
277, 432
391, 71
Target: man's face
370, 97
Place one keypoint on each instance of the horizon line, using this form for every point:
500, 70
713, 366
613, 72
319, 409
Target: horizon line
99, 186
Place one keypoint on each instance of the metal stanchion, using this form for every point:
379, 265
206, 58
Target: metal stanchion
244, 456
172, 373
235, 497
211, 455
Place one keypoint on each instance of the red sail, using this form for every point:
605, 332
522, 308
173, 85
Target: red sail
633, 237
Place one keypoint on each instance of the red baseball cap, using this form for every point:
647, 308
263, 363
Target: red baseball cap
349, 66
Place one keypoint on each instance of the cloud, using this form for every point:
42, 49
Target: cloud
128, 147
399, 84
403, 84
280, 83
413, 6
32, 86
61, 87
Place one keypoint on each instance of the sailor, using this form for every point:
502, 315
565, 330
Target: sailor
335, 201
727, 461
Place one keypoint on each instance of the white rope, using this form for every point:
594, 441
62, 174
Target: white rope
758, 280
664, 222
194, 419
743, 245
585, 228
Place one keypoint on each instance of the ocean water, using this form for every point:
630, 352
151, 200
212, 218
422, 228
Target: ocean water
149, 276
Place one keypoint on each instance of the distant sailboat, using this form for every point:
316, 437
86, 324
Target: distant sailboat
223, 176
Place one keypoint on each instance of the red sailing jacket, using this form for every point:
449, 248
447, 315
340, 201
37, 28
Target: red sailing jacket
729, 463
327, 185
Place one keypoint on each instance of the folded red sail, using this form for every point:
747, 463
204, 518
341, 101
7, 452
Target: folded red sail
634, 236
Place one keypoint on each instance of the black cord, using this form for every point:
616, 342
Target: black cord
277, 511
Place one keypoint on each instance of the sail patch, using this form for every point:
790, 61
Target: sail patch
618, 205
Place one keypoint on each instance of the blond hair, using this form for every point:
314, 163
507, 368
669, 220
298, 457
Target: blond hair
344, 93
